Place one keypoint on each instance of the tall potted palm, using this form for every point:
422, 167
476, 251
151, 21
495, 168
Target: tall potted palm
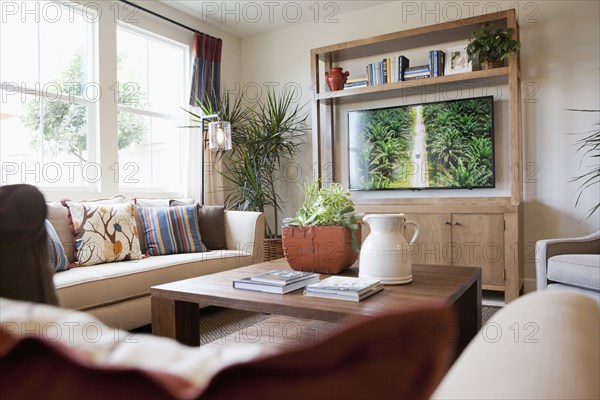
263, 136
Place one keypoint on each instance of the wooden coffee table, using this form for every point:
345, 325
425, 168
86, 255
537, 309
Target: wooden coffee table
175, 305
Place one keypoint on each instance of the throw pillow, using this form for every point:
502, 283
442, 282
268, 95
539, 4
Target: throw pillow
103, 233
57, 259
138, 202
171, 230
211, 221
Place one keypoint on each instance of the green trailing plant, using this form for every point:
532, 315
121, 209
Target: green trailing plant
491, 46
590, 146
327, 205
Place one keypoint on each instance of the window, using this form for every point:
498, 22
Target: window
151, 73
48, 95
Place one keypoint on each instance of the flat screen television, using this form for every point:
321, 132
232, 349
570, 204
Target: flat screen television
441, 145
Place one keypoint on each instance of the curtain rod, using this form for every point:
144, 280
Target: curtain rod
179, 24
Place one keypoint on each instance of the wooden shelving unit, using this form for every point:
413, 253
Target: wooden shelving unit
504, 274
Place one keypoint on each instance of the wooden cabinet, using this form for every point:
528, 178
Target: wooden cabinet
435, 237
472, 231
468, 240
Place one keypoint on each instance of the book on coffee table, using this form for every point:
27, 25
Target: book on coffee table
250, 284
282, 277
344, 288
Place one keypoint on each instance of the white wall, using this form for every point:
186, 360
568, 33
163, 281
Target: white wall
560, 61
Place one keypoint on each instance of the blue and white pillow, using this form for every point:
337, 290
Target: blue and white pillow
57, 258
171, 230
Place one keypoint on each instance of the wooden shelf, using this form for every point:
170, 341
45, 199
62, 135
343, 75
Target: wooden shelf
503, 274
359, 93
363, 47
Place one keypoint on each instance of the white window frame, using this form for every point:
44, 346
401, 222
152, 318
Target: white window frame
92, 106
152, 112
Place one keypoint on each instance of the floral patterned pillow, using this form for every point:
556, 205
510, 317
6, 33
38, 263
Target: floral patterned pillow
103, 233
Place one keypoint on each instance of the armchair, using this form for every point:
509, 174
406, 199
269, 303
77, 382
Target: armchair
572, 263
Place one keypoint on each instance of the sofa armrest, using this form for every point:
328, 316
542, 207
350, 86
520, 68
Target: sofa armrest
245, 231
545, 249
543, 345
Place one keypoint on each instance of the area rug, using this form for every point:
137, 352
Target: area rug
216, 322
488, 312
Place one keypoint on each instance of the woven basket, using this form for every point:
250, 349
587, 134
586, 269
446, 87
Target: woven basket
273, 249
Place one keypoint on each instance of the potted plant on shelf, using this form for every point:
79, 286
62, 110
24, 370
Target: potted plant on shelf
490, 48
263, 135
324, 235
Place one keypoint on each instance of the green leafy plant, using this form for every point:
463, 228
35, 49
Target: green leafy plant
590, 146
327, 205
491, 46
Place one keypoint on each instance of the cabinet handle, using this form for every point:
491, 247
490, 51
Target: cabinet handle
446, 222
457, 223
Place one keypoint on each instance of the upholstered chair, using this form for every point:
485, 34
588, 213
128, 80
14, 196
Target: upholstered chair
572, 264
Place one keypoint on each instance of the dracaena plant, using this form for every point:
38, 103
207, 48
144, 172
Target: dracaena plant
264, 134
590, 178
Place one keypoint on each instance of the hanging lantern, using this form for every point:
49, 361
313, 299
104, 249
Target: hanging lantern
219, 136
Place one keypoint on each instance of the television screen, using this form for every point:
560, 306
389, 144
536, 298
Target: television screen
442, 145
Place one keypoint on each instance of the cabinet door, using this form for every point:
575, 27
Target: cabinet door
478, 241
433, 244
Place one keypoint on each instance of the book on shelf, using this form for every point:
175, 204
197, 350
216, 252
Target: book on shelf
416, 69
417, 77
355, 85
403, 64
356, 82
259, 286
413, 74
281, 277
344, 288
437, 60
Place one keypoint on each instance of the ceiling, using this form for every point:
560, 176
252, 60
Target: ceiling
247, 18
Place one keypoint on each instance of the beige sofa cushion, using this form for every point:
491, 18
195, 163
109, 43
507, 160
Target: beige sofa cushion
581, 270
99, 285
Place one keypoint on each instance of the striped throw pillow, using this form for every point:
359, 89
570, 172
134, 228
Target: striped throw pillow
57, 258
171, 230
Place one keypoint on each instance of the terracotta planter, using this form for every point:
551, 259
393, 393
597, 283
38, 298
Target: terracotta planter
323, 249
491, 64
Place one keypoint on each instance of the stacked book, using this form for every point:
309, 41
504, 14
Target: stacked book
417, 72
344, 288
277, 281
355, 83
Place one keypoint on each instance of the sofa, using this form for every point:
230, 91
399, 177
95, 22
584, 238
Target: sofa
118, 293
570, 264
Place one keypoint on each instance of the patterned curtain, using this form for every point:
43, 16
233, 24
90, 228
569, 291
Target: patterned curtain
206, 77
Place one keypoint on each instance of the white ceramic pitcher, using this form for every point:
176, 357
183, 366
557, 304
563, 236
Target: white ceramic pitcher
385, 254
